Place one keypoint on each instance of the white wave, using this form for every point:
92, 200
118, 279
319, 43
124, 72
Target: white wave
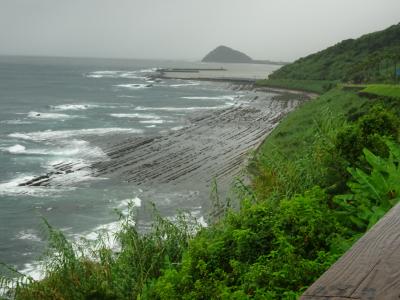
28, 234
155, 121
16, 149
101, 74
106, 230
12, 187
133, 86
144, 108
106, 72
118, 74
81, 171
109, 230
63, 107
15, 122
68, 148
177, 128
202, 221
222, 98
94, 76
136, 202
63, 134
150, 126
136, 115
130, 75
185, 84
34, 269
151, 70
47, 116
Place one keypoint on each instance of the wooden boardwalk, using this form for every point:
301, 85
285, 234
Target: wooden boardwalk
369, 270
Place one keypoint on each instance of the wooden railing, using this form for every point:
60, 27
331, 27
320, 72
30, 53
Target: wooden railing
369, 270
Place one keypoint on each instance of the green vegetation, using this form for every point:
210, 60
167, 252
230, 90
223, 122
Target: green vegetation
314, 86
94, 271
370, 58
382, 90
300, 128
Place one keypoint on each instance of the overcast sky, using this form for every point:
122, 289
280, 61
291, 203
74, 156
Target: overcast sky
186, 29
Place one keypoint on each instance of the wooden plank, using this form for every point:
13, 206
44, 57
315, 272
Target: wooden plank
369, 270
326, 298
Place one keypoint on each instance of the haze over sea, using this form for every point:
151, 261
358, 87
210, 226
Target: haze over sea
52, 109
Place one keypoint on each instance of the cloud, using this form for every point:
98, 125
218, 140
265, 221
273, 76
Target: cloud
186, 29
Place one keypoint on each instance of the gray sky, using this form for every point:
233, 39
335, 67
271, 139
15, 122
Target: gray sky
186, 29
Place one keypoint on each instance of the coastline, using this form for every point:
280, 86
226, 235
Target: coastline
176, 170
214, 145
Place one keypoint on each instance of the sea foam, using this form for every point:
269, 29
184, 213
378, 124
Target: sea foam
63, 134
222, 98
66, 148
28, 234
155, 121
133, 86
184, 84
15, 122
12, 187
49, 116
144, 108
16, 149
135, 115
63, 107
138, 74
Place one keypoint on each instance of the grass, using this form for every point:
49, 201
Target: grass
295, 133
87, 270
314, 86
391, 91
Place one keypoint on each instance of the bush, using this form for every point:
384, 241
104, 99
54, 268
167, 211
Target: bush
88, 271
261, 250
368, 132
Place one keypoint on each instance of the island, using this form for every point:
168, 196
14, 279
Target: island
224, 54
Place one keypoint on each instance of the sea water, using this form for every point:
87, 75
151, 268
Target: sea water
50, 111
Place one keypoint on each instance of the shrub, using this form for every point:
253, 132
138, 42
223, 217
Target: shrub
373, 193
368, 132
88, 271
261, 250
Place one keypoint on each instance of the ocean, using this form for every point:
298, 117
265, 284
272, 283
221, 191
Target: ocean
51, 111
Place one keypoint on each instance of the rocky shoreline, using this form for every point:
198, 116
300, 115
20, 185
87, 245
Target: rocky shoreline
214, 145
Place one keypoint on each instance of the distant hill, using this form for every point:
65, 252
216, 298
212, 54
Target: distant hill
223, 54
372, 57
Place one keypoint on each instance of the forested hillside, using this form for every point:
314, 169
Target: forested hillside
373, 57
